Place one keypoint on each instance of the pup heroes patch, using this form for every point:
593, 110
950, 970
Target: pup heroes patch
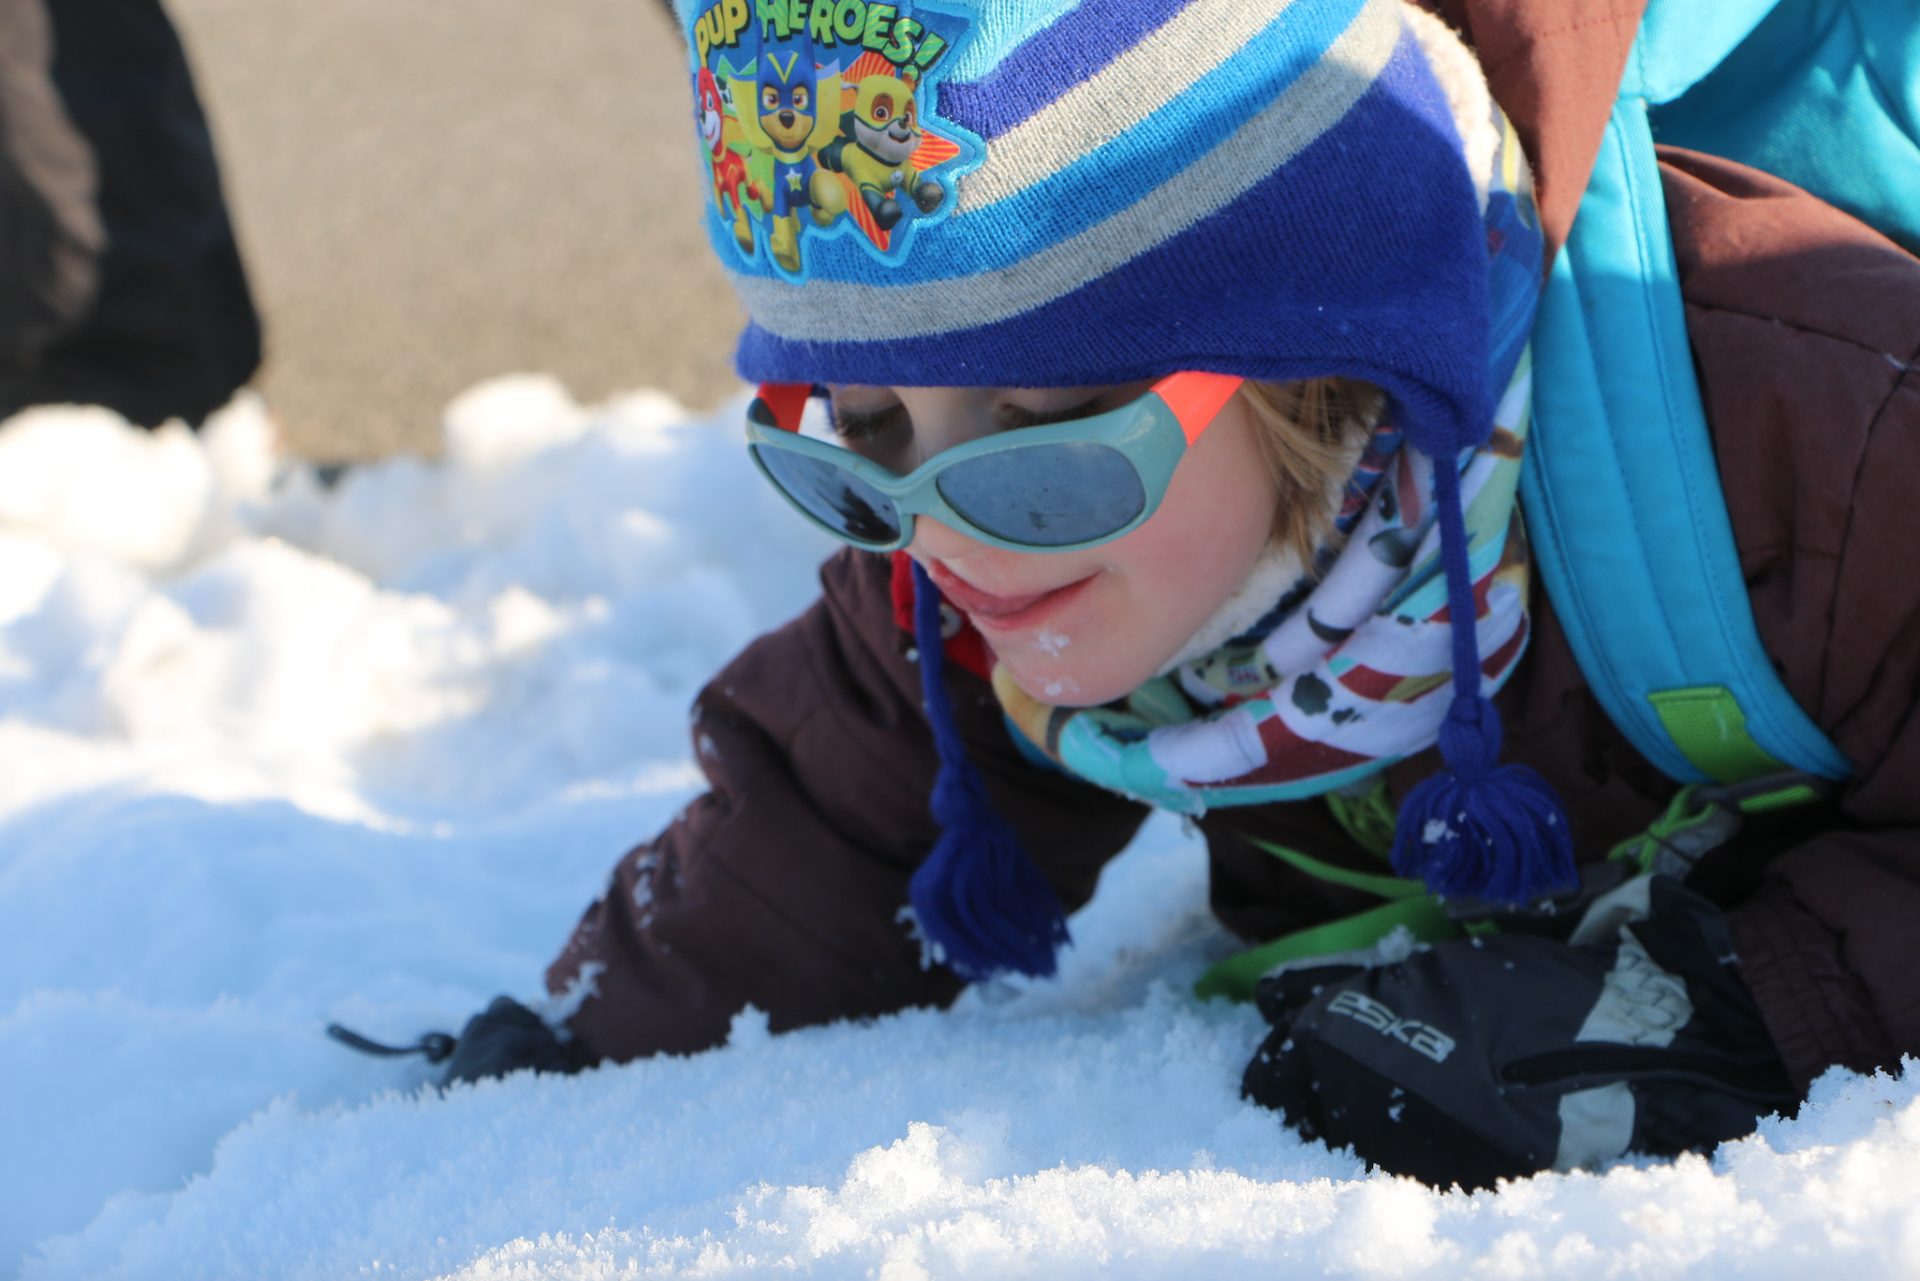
814, 123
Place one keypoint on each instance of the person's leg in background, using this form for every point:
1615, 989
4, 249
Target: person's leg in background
168, 327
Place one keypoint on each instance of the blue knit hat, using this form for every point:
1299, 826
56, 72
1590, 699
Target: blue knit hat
1037, 193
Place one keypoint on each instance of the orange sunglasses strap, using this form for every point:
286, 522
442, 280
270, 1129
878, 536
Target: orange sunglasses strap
787, 401
1196, 398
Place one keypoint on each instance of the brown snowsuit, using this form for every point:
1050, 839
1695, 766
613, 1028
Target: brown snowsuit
781, 886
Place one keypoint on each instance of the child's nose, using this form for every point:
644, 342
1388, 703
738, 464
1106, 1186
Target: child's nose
944, 417
935, 540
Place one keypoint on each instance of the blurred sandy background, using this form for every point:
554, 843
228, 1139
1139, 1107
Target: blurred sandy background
432, 192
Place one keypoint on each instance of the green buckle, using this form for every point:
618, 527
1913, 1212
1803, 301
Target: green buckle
1706, 816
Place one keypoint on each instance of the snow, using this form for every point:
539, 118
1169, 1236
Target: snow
273, 755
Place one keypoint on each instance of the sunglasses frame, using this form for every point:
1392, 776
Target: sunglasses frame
1151, 433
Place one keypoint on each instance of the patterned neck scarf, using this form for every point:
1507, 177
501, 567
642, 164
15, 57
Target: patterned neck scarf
1347, 673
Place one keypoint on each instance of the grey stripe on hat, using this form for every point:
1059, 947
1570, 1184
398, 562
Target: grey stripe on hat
844, 311
1132, 87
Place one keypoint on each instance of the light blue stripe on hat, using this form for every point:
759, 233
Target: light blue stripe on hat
1145, 161
1000, 27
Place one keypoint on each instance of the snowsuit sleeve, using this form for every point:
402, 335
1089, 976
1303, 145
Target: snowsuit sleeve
1806, 329
782, 886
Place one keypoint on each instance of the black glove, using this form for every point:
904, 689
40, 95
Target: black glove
1500, 1056
503, 1038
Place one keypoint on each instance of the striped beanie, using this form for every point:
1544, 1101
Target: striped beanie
1120, 189
1035, 193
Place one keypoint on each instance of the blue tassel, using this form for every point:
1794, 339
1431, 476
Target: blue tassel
980, 900
1478, 829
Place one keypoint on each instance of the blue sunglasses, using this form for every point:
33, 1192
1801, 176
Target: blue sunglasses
1054, 488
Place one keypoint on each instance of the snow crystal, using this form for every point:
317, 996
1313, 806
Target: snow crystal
1397, 945
274, 755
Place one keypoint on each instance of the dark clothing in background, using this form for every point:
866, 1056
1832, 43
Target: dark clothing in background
121, 283
51, 239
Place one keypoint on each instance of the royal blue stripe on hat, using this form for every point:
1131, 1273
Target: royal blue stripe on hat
1002, 27
1032, 75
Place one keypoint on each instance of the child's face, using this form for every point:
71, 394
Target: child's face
1085, 627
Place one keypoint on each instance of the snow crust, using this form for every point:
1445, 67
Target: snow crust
273, 755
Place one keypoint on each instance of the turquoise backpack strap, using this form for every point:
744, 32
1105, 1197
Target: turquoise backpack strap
1621, 493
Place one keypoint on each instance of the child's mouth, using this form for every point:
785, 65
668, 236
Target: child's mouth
1001, 612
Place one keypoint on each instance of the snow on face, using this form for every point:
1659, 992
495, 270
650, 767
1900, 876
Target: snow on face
272, 755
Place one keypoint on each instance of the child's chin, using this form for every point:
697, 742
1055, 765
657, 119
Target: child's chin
1059, 686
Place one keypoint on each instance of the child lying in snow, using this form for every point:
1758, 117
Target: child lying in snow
1167, 356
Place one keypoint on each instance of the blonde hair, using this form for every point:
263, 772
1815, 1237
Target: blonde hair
1310, 434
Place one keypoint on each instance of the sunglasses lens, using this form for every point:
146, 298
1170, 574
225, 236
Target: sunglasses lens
1047, 495
833, 496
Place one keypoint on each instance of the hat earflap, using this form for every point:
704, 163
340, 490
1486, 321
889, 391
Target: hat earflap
1478, 828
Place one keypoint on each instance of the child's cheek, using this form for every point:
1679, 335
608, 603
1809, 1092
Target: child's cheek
1157, 586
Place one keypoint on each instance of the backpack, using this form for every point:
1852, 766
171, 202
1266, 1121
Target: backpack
1620, 487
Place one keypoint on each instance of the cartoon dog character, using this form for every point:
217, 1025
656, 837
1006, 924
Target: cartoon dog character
875, 148
721, 132
785, 120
